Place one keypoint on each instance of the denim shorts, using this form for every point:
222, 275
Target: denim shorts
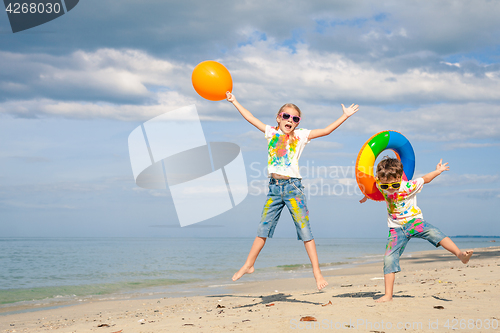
289, 192
399, 237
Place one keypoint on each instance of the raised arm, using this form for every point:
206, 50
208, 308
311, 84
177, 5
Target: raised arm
316, 133
439, 169
245, 113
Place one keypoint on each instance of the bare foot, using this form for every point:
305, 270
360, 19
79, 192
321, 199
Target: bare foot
321, 282
243, 270
384, 298
465, 256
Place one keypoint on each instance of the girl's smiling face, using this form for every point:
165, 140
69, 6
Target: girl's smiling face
287, 126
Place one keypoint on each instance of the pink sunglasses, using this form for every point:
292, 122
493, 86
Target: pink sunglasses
286, 116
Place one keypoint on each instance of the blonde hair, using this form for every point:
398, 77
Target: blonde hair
292, 106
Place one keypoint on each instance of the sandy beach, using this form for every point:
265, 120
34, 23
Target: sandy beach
434, 292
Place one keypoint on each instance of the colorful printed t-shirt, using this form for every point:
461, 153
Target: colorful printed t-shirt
402, 205
283, 154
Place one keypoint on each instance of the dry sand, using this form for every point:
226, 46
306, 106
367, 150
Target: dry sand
435, 292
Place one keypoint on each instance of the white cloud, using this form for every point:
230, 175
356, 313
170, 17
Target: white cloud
106, 75
266, 71
265, 76
450, 64
34, 108
388, 29
441, 122
88, 110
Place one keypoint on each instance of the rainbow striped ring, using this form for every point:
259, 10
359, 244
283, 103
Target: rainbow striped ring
368, 154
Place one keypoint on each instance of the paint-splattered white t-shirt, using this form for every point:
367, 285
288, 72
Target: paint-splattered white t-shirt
402, 205
283, 154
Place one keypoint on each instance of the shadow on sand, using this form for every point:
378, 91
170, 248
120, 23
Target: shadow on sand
267, 300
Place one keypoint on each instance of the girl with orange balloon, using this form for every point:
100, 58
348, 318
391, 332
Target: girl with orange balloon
285, 145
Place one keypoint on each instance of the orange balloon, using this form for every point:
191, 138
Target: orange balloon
211, 80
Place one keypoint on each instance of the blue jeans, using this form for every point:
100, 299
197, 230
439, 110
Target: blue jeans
399, 237
289, 192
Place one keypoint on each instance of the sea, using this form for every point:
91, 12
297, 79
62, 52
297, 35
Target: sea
46, 272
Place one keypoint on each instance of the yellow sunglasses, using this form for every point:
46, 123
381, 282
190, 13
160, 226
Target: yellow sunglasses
394, 185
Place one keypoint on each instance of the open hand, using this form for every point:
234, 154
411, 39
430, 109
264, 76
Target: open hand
442, 167
350, 110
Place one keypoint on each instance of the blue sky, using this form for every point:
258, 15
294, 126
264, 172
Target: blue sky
73, 89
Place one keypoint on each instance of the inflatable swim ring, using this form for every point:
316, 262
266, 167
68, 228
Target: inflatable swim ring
369, 153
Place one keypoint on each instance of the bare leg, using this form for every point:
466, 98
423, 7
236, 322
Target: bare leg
247, 268
313, 256
389, 288
449, 245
